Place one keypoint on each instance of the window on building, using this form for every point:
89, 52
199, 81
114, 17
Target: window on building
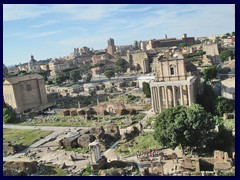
29, 87
171, 70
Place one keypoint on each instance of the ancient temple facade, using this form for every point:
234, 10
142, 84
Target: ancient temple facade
176, 82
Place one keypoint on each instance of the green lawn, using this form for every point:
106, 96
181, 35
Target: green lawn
52, 170
230, 124
140, 143
24, 137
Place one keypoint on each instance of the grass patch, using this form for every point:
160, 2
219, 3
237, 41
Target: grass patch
229, 124
24, 137
140, 143
83, 150
53, 171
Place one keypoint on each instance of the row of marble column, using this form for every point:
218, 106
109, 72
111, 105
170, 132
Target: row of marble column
157, 96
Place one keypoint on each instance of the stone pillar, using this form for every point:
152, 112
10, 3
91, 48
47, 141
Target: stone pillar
155, 99
174, 96
152, 97
166, 96
159, 98
151, 165
197, 165
189, 96
181, 94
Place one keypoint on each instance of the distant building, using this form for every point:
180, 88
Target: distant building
81, 51
139, 60
33, 65
25, 92
57, 65
13, 70
168, 42
176, 82
23, 67
111, 49
228, 88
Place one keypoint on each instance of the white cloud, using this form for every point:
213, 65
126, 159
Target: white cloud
50, 22
17, 34
21, 11
42, 34
96, 41
73, 11
142, 9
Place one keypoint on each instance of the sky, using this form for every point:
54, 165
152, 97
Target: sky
53, 30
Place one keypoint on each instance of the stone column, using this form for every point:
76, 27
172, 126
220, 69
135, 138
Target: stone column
181, 94
189, 95
174, 96
166, 96
152, 96
159, 98
154, 100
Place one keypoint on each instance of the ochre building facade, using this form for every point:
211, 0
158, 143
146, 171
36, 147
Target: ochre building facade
176, 82
25, 92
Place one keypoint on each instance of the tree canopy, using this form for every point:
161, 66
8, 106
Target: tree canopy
9, 116
87, 78
109, 74
75, 75
224, 55
182, 45
198, 53
223, 105
59, 79
146, 89
207, 98
85, 69
190, 127
209, 73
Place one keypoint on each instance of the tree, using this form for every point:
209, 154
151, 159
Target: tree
223, 140
85, 69
190, 127
66, 72
109, 74
207, 98
136, 45
87, 78
183, 45
228, 34
209, 73
9, 115
59, 80
224, 55
75, 75
121, 64
233, 33
146, 89
108, 68
223, 105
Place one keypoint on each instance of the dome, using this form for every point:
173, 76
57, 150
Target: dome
32, 61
